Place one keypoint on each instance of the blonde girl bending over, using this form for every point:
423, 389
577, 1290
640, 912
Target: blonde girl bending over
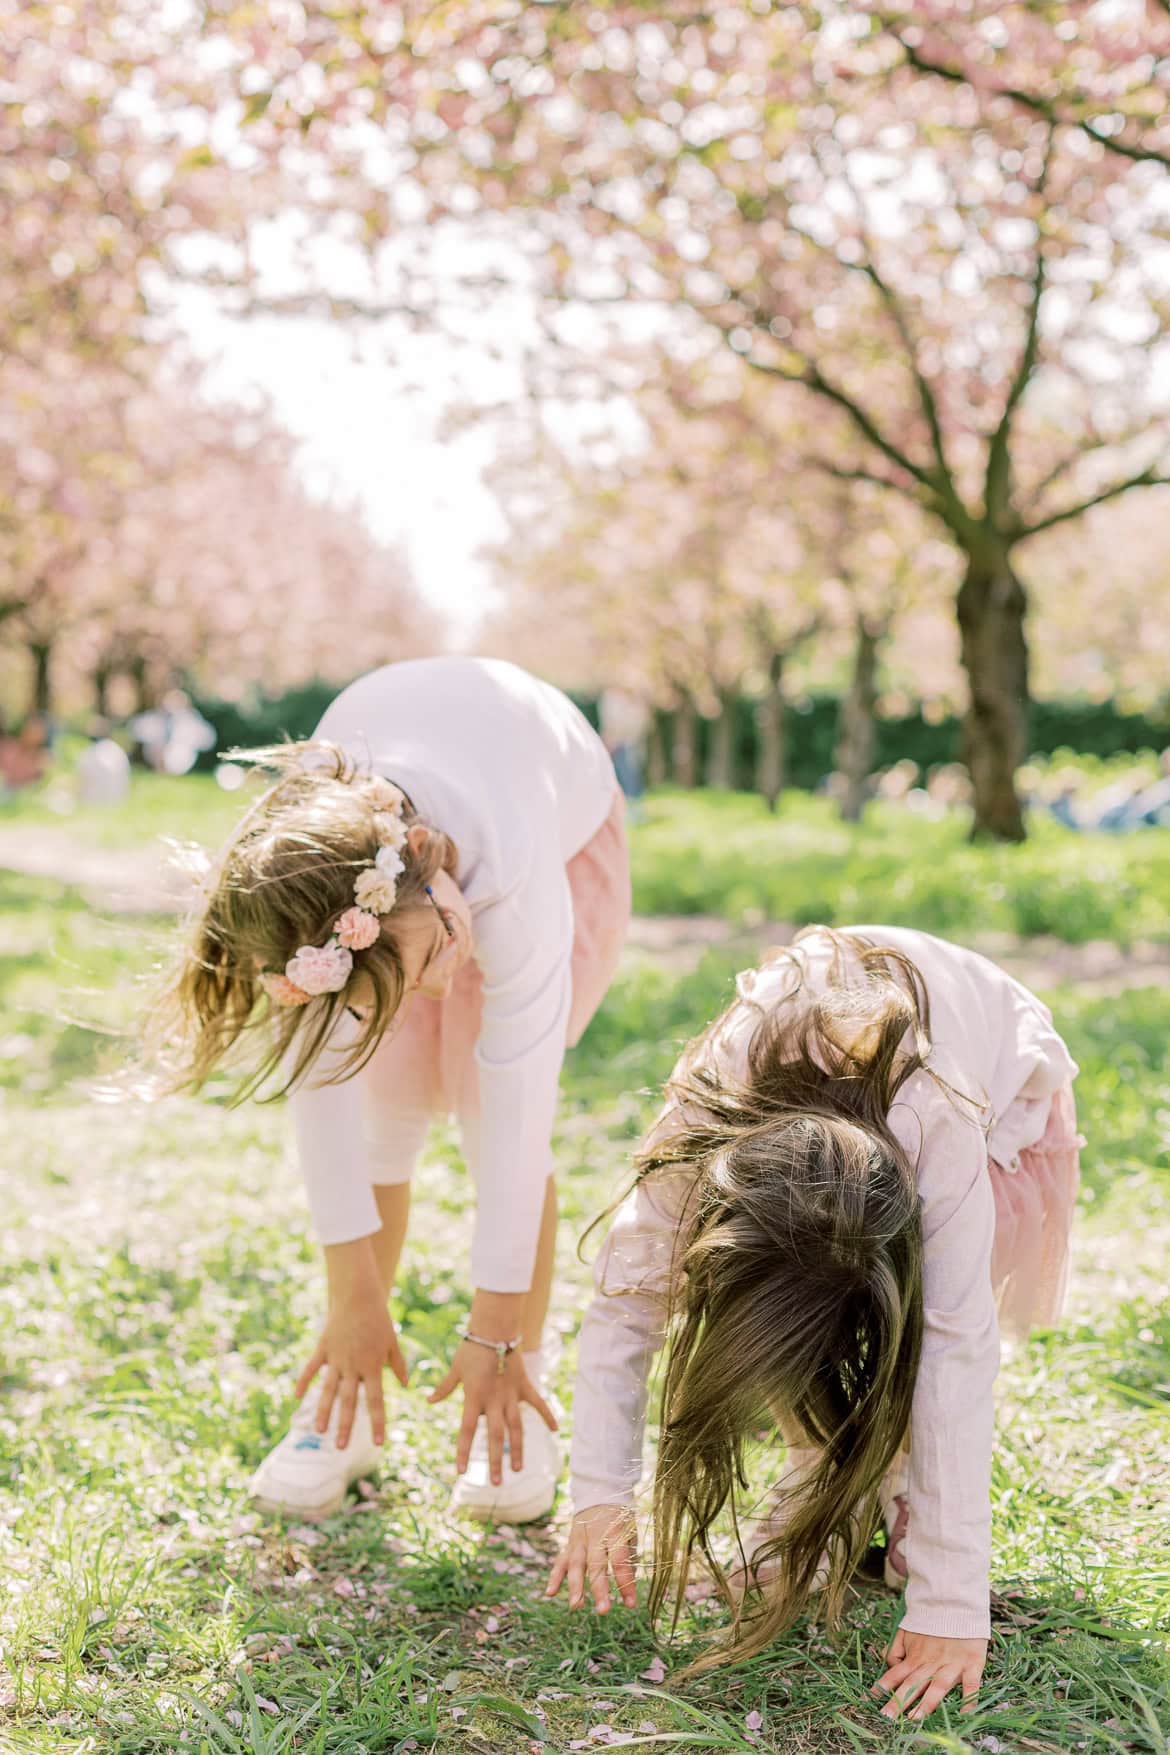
418, 917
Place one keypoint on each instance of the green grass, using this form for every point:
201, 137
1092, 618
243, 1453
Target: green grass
725, 854
158, 1292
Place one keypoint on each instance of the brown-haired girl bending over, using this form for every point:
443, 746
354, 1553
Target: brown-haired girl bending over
873, 1147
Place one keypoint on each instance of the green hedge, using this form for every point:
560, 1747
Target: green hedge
1088, 728
1085, 727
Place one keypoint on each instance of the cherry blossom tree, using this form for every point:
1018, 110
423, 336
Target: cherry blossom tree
701, 565
944, 232
162, 538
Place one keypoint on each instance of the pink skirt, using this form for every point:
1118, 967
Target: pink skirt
1033, 1220
428, 1067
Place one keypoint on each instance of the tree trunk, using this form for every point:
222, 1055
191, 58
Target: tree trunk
41, 653
994, 645
771, 762
103, 676
684, 755
658, 750
721, 755
857, 733
137, 672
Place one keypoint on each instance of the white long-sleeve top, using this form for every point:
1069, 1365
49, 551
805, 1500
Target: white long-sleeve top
994, 1042
508, 768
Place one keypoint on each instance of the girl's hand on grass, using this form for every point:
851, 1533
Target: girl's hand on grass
356, 1344
601, 1538
496, 1395
924, 1667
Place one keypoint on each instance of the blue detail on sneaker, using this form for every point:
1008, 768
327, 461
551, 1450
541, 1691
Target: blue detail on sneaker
312, 1442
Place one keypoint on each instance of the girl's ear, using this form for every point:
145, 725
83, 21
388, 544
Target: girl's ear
416, 838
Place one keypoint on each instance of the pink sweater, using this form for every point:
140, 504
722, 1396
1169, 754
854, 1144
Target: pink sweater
995, 1043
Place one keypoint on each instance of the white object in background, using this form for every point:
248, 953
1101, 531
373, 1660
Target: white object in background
103, 773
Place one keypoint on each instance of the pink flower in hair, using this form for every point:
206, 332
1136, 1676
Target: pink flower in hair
282, 991
320, 968
357, 929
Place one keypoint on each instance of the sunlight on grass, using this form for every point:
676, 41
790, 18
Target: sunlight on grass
159, 1291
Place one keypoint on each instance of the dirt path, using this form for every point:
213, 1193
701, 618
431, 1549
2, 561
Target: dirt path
140, 881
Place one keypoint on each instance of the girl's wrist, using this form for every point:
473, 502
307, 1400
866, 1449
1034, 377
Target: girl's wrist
352, 1269
497, 1316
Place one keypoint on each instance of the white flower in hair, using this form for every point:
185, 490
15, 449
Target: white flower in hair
383, 794
375, 891
389, 862
390, 830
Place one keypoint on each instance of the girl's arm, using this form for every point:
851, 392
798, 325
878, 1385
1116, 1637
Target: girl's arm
358, 1339
620, 1334
622, 1330
948, 1548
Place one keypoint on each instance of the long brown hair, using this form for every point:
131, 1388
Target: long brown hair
798, 1284
281, 881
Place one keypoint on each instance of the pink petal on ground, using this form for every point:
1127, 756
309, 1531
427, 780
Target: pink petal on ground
491, 1625
656, 1671
754, 1721
565, 1664
647, 1728
344, 1587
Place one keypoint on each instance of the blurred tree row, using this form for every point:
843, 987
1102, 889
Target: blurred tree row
942, 228
930, 238
147, 536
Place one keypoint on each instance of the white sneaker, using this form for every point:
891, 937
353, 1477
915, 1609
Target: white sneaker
523, 1494
307, 1476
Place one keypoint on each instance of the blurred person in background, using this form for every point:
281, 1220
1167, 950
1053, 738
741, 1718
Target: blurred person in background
624, 721
25, 756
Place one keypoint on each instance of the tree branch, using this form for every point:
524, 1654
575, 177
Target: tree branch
812, 378
998, 477
1147, 478
1029, 101
890, 300
838, 473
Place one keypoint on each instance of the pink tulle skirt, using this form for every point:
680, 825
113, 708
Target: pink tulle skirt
428, 1066
1033, 1220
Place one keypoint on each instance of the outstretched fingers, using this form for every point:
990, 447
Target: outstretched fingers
529, 1394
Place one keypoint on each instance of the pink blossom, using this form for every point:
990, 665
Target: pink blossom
282, 991
656, 1671
320, 968
357, 929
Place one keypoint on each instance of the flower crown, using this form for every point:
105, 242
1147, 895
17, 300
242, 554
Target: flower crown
317, 969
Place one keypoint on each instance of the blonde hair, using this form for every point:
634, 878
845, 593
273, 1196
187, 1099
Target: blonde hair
281, 882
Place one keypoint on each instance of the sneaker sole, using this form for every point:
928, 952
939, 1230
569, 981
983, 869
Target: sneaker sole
303, 1513
307, 1514
527, 1511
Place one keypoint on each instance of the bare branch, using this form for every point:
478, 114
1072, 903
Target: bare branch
1029, 101
869, 268
1147, 478
824, 467
1116, 442
998, 479
812, 378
